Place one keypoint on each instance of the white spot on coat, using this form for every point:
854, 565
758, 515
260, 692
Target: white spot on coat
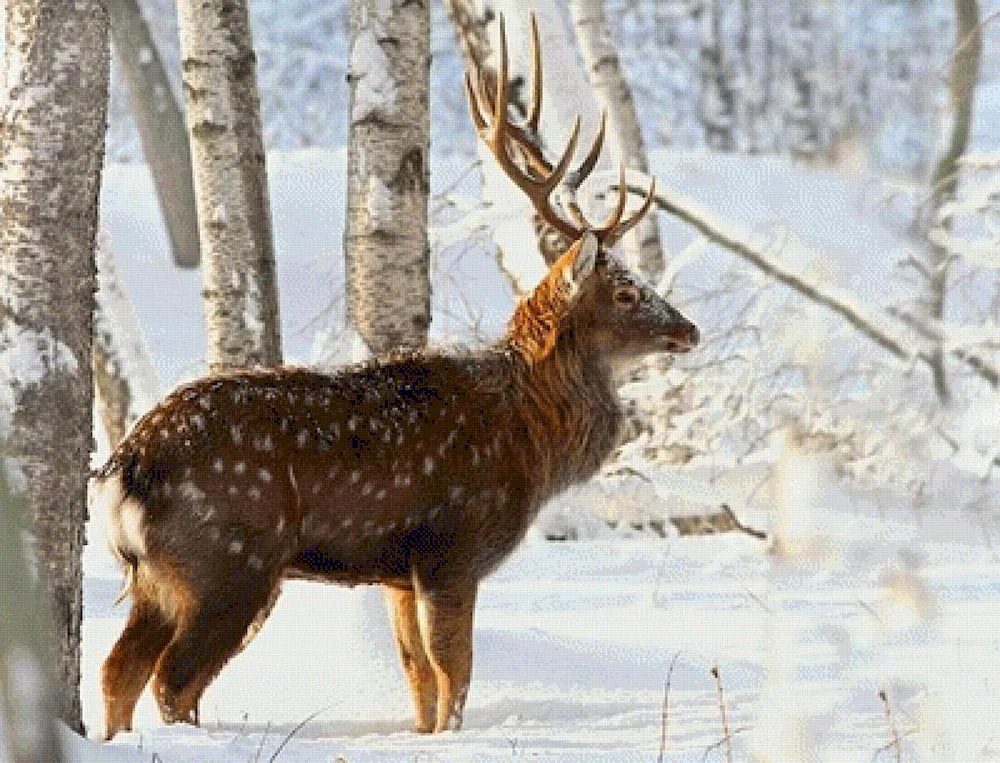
254, 493
264, 475
236, 433
428, 465
235, 547
303, 438
239, 467
218, 465
355, 477
255, 562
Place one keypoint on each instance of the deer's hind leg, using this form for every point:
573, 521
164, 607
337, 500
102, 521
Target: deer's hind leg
419, 672
216, 626
445, 617
127, 669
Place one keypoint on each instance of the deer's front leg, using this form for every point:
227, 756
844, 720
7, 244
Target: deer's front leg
423, 682
445, 618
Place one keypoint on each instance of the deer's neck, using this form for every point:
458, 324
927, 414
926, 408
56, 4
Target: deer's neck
571, 411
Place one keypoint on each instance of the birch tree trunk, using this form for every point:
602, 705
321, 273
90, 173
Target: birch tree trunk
161, 128
125, 381
230, 180
385, 240
801, 119
716, 101
944, 180
52, 149
614, 95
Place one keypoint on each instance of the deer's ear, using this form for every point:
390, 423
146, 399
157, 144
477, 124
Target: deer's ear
584, 262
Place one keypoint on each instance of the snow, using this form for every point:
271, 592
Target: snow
375, 92
858, 590
573, 642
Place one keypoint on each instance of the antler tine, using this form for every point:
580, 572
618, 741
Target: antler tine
503, 92
475, 105
539, 178
631, 222
536, 78
606, 231
559, 171
582, 172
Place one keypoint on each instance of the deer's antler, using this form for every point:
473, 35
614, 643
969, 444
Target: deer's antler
539, 177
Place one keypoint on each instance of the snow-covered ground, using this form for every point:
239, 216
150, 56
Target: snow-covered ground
859, 591
574, 643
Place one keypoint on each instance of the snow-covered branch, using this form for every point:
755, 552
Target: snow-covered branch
876, 326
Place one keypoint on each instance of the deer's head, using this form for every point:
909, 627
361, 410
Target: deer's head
588, 296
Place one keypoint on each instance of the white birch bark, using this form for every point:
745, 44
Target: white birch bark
125, 381
944, 180
385, 240
600, 55
716, 101
161, 127
801, 119
230, 177
52, 124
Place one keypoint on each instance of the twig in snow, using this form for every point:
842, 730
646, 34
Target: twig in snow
887, 747
892, 725
298, 727
727, 736
263, 739
740, 526
666, 705
726, 740
870, 610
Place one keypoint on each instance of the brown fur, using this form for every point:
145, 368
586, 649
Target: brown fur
421, 473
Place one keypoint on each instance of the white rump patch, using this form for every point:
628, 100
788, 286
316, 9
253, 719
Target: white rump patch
125, 530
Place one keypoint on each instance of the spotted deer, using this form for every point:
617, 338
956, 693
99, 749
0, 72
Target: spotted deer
419, 472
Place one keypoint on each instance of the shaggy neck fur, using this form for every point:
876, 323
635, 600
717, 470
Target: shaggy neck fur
568, 401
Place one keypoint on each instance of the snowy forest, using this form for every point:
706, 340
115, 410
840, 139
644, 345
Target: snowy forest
789, 547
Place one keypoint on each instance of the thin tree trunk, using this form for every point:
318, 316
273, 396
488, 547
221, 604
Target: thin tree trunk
125, 382
234, 214
803, 133
615, 96
385, 241
27, 701
52, 150
717, 101
944, 180
161, 128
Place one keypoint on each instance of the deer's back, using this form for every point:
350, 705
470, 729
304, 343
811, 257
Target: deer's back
357, 477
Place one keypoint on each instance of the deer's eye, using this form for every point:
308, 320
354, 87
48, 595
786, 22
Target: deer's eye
627, 297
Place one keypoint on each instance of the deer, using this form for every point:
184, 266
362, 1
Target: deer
419, 472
